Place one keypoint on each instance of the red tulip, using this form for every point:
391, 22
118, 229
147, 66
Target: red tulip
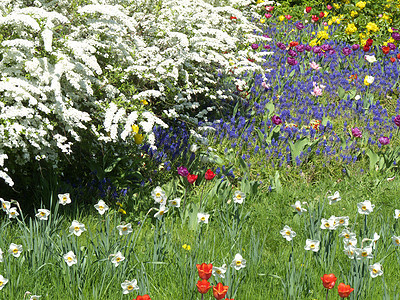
385, 50
233, 18
144, 297
321, 14
220, 291
398, 56
392, 59
344, 290
369, 42
293, 44
203, 286
329, 281
191, 178
205, 271
366, 48
308, 9
209, 175
314, 18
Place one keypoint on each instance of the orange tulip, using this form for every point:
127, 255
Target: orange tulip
344, 290
203, 286
329, 281
144, 297
220, 291
205, 271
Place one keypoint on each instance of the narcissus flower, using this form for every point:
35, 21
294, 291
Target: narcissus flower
205, 270
219, 272
15, 250
365, 207
396, 240
376, 270
129, 286
397, 213
43, 214
101, 207
287, 233
209, 174
70, 258
298, 208
238, 197
5, 205
344, 290
117, 258
175, 202
77, 228
202, 218
125, 229
203, 286
64, 199
219, 291
329, 280
13, 213
158, 195
312, 245
238, 262
161, 212
3, 281
334, 198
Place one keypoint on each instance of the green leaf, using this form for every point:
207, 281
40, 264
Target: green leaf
271, 109
292, 73
373, 159
260, 135
341, 92
113, 165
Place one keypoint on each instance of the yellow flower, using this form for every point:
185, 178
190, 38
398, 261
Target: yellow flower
326, 14
353, 14
260, 1
334, 19
335, 5
135, 129
122, 211
313, 32
330, 22
390, 30
338, 21
326, 28
368, 80
281, 18
144, 102
350, 29
323, 35
186, 247
385, 17
139, 138
372, 27
313, 43
119, 204
361, 4
262, 21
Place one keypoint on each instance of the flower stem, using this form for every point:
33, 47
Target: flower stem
327, 291
201, 197
184, 199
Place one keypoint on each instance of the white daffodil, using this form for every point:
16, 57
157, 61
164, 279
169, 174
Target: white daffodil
376, 270
350, 242
158, 195
43, 214
350, 251
365, 208
347, 234
298, 208
362, 253
34, 297
202, 218
161, 212
312, 245
375, 239
15, 250
370, 58
396, 240
76, 228
397, 213
125, 229
219, 272
3, 281
5, 205
101, 207
13, 213
238, 197
288, 233
1, 255
70, 258
334, 198
117, 258
238, 262
175, 202
330, 224
342, 221
64, 199
369, 80
129, 286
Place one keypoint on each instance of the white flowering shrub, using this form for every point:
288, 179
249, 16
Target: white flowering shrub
72, 72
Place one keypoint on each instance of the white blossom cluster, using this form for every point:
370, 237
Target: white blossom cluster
56, 57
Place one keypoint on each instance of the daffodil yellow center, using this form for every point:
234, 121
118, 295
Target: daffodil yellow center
312, 246
4, 206
287, 232
347, 236
124, 228
15, 250
130, 287
341, 221
69, 258
174, 203
1, 283
298, 208
364, 207
238, 196
76, 228
238, 262
374, 271
64, 199
118, 259
364, 254
326, 224
397, 241
218, 271
161, 212
203, 218
12, 212
158, 195
42, 214
101, 207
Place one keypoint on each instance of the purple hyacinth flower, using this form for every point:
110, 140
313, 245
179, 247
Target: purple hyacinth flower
346, 51
254, 46
300, 48
276, 120
182, 171
317, 49
396, 36
356, 132
396, 120
384, 140
355, 47
392, 46
291, 61
308, 48
292, 53
299, 26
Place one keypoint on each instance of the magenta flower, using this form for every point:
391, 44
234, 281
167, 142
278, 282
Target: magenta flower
396, 120
384, 140
182, 171
356, 132
300, 48
346, 51
355, 47
396, 36
291, 61
299, 26
292, 53
267, 15
276, 120
254, 46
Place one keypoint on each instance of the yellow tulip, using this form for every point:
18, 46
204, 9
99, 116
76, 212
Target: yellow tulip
139, 138
135, 129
